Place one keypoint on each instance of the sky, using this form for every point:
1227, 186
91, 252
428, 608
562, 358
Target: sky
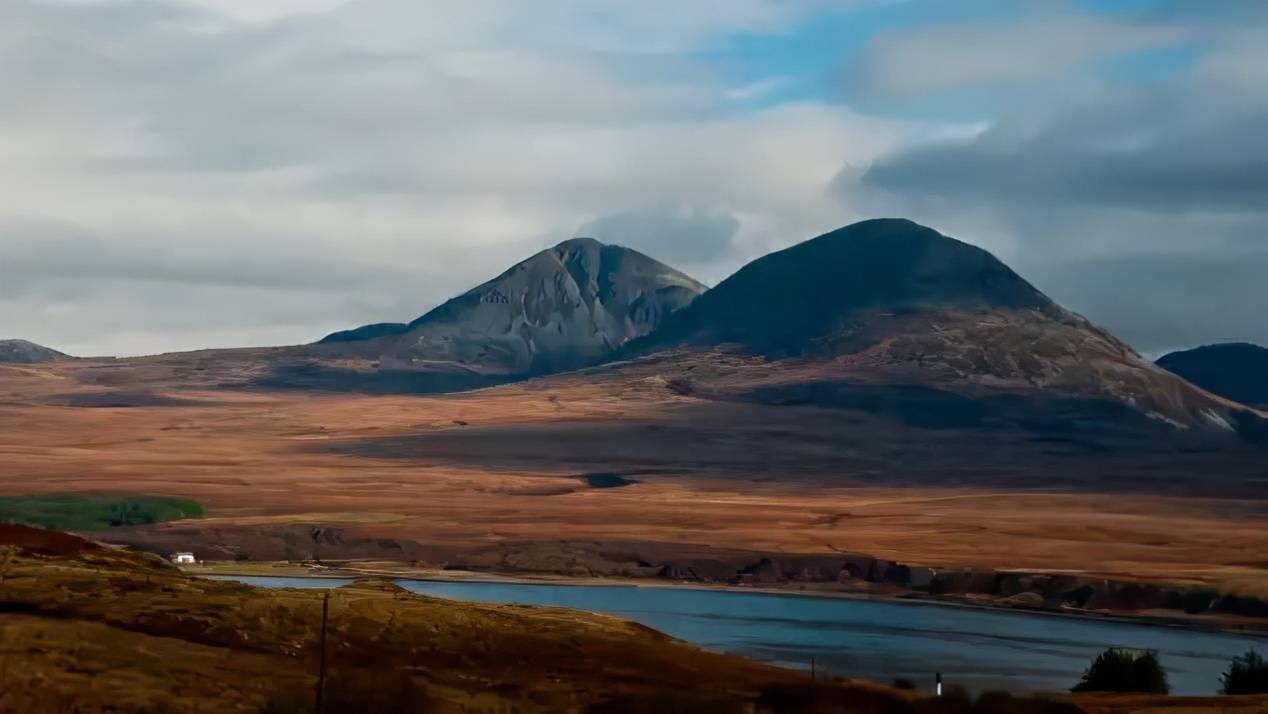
183, 174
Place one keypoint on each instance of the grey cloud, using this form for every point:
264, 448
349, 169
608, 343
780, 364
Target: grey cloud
212, 95
1143, 205
1189, 140
1164, 302
1159, 279
677, 235
197, 257
1039, 44
126, 293
180, 177
1170, 150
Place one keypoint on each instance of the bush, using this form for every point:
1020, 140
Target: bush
1117, 670
1247, 674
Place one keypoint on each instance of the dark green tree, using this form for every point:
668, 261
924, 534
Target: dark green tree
1247, 674
1119, 670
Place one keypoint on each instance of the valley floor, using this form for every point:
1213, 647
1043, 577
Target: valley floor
539, 475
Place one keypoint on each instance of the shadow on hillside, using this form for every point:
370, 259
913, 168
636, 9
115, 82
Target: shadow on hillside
313, 376
850, 446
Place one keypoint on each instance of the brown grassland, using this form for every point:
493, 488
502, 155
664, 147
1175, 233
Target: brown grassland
88, 629
502, 465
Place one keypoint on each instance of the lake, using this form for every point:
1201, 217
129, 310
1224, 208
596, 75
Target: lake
974, 648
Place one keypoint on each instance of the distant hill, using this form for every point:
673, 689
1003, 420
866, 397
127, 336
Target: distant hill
1236, 370
892, 303
365, 332
23, 352
564, 307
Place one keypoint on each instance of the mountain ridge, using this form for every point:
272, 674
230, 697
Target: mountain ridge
364, 333
884, 313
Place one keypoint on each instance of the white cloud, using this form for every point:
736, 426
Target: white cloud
909, 63
1142, 204
193, 173
181, 178
266, 10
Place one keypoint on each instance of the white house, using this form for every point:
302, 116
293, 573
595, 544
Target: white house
183, 558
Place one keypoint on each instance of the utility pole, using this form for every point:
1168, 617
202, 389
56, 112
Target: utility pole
321, 667
813, 678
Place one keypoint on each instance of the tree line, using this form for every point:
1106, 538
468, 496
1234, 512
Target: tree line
1140, 671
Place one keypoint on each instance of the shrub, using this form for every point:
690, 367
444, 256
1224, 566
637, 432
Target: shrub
1118, 670
89, 512
1247, 674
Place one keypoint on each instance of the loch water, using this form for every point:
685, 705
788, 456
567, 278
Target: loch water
978, 649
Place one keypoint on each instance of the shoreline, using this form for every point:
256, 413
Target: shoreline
1251, 629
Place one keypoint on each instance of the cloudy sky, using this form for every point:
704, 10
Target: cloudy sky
182, 174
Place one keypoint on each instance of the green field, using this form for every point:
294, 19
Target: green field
95, 512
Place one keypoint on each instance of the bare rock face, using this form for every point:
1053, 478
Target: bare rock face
23, 352
563, 308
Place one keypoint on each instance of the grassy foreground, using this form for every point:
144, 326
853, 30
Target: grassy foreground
75, 512
85, 628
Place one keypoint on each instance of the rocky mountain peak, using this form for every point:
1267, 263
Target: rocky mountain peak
562, 308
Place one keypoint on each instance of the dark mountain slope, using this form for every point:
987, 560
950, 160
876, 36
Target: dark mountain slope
791, 301
23, 352
1235, 370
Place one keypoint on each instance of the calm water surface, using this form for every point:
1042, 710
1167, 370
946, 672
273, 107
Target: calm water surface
977, 649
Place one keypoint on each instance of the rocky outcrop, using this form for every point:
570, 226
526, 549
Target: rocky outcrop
563, 308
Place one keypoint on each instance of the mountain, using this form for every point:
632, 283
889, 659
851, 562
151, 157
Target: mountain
1235, 370
23, 352
811, 295
890, 303
564, 307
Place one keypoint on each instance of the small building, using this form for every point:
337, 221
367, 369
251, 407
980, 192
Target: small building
183, 558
